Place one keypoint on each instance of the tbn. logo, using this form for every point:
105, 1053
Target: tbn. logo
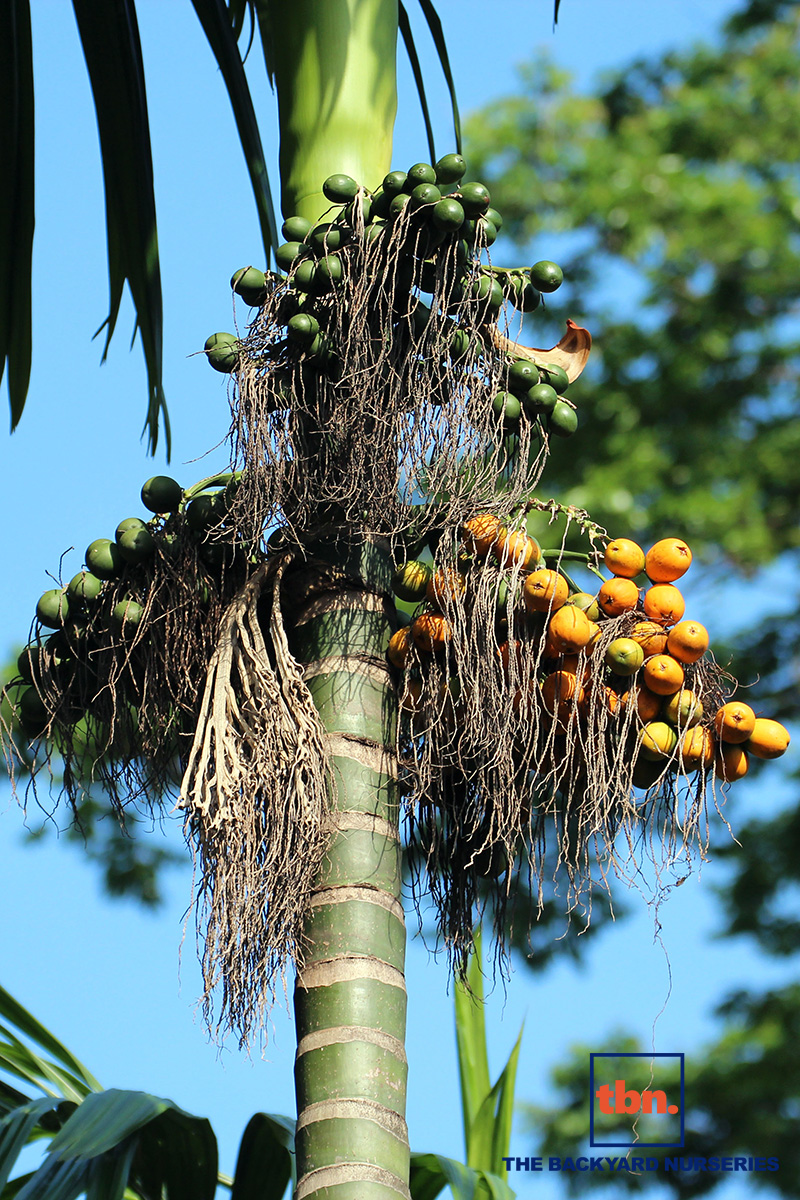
613, 1093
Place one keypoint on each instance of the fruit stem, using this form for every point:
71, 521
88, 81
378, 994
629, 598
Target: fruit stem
219, 480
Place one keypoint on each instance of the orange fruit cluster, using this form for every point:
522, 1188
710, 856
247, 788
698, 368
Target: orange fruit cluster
628, 651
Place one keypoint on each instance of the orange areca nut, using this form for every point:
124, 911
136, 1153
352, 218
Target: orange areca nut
399, 646
663, 674
445, 584
687, 641
697, 748
559, 690
505, 654
668, 560
664, 603
480, 533
513, 547
646, 703
769, 739
570, 629
431, 631
544, 589
617, 596
624, 558
657, 740
731, 762
651, 636
683, 709
411, 696
734, 722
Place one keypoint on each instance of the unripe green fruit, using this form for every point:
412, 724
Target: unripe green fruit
247, 280
329, 269
448, 215
394, 183
305, 277
136, 544
286, 254
32, 708
84, 587
522, 375
529, 299
546, 275
162, 494
295, 229
425, 193
475, 198
459, 344
129, 523
103, 559
563, 420
398, 204
126, 616
222, 350
540, 398
340, 189
52, 608
493, 215
200, 514
421, 172
556, 376
507, 406
325, 237
450, 169
302, 328
624, 656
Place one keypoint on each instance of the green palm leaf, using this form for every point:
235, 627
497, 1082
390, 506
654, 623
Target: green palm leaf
16, 199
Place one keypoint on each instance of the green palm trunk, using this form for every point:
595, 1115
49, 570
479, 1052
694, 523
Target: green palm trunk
350, 999
334, 68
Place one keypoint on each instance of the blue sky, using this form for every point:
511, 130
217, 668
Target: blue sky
105, 976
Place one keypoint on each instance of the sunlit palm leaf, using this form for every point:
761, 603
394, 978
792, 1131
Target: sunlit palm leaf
220, 27
11, 1011
110, 37
16, 199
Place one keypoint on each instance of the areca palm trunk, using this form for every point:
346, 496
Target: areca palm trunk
334, 64
350, 999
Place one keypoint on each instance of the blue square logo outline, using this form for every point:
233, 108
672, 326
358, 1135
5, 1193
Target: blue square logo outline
635, 1054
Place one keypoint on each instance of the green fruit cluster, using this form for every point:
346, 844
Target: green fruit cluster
445, 226
536, 392
105, 604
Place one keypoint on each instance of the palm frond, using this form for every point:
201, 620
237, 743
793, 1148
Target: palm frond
437, 33
110, 38
16, 199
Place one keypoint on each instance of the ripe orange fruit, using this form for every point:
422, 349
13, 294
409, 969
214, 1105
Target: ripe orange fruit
769, 739
657, 740
687, 641
504, 652
683, 709
664, 603
523, 698
411, 696
513, 547
734, 722
559, 689
663, 674
651, 636
431, 631
697, 748
570, 629
544, 589
445, 584
617, 596
668, 560
731, 762
624, 558
624, 656
480, 533
646, 703
399, 646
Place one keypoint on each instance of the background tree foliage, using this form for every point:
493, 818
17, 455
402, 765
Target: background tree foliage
677, 184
